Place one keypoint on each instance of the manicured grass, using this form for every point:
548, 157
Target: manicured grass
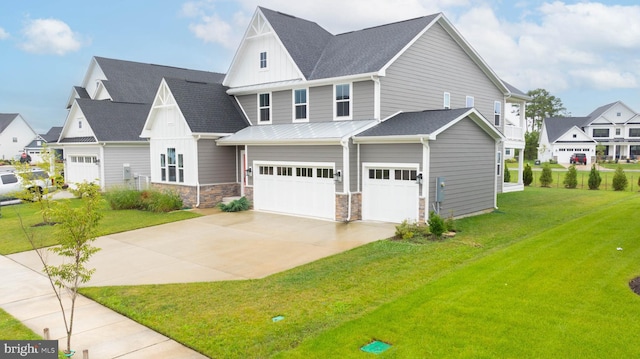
13, 329
583, 179
335, 305
533, 165
13, 238
624, 164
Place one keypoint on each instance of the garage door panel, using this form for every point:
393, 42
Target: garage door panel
390, 196
296, 194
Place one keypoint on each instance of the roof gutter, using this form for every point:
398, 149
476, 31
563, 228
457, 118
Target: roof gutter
197, 175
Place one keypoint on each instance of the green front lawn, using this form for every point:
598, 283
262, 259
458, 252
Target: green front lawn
540, 277
13, 238
13, 329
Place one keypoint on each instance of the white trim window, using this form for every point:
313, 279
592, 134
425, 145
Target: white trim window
343, 105
171, 166
497, 112
446, 99
263, 60
469, 101
498, 163
300, 105
264, 108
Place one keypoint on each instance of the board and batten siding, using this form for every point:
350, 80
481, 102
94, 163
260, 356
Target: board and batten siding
216, 164
466, 156
312, 153
115, 157
436, 64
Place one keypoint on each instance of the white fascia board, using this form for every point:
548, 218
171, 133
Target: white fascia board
147, 121
65, 126
92, 64
287, 85
291, 142
391, 139
210, 135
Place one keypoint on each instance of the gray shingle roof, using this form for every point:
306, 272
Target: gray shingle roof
53, 134
85, 139
81, 91
414, 123
558, 126
114, 121
6, 119
319, 54
514, 90
600, 110
206, 106
136, 82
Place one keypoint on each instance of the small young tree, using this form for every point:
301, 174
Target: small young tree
436, 224
594, 178
571, 177
75, 231
600, 153
620, 181
527, 175
546, 177
507, 174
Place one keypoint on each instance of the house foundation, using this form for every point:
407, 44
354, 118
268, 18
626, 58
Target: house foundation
210, 195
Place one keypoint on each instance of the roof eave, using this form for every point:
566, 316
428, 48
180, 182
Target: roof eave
285, 85
392, 139
287, 142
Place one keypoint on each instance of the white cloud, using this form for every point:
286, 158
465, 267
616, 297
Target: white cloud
49, 36
3, 34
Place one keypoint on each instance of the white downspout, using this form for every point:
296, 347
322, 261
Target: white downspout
426, 153
197, 174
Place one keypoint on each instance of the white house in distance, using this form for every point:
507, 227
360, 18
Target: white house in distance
614, 126
15, 135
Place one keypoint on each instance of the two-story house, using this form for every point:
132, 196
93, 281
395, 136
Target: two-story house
15, 134
385, 123
101, 134
615, 126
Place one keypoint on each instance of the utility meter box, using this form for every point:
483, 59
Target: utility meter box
440, 187
126, 171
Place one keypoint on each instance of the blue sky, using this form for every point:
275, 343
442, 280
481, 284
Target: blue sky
586, 53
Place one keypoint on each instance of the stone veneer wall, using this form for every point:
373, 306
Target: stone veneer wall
248, 194
342, 211
422, 218
210, 195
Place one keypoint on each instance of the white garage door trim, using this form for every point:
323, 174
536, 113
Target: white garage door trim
298, 188
391, 196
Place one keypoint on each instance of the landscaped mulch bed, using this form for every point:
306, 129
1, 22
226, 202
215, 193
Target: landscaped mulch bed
634, 284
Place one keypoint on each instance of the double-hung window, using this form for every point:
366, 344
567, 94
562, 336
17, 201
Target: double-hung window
497, 111
343, 101
263, 60
264, 108
300, 105
172, 166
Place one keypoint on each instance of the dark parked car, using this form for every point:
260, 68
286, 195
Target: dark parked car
579, 158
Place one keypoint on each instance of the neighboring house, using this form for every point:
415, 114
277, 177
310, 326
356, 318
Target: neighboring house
36, 147
15, 134
101, 135
385, 123
186, 118
615, 126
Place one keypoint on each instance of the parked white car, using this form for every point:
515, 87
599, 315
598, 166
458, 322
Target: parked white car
12, 183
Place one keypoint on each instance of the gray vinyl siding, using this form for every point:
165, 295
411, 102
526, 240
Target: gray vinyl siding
114, 159
250, 106
296, 154
215, 163
321, 104
465, 156
433, 65
281, 107
391, 153
363, 100
353, 166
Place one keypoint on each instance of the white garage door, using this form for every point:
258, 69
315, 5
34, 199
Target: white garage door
299, 189
82, 168
389, 193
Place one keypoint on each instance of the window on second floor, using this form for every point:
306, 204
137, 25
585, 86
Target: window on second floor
264, 107
15, 139
447, 101
634, 132
80, 124
343, 101
469, 101
263, 60
300, 105
617, 132
600, 132
497, 111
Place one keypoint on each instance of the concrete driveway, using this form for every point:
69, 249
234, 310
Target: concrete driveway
219, 246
